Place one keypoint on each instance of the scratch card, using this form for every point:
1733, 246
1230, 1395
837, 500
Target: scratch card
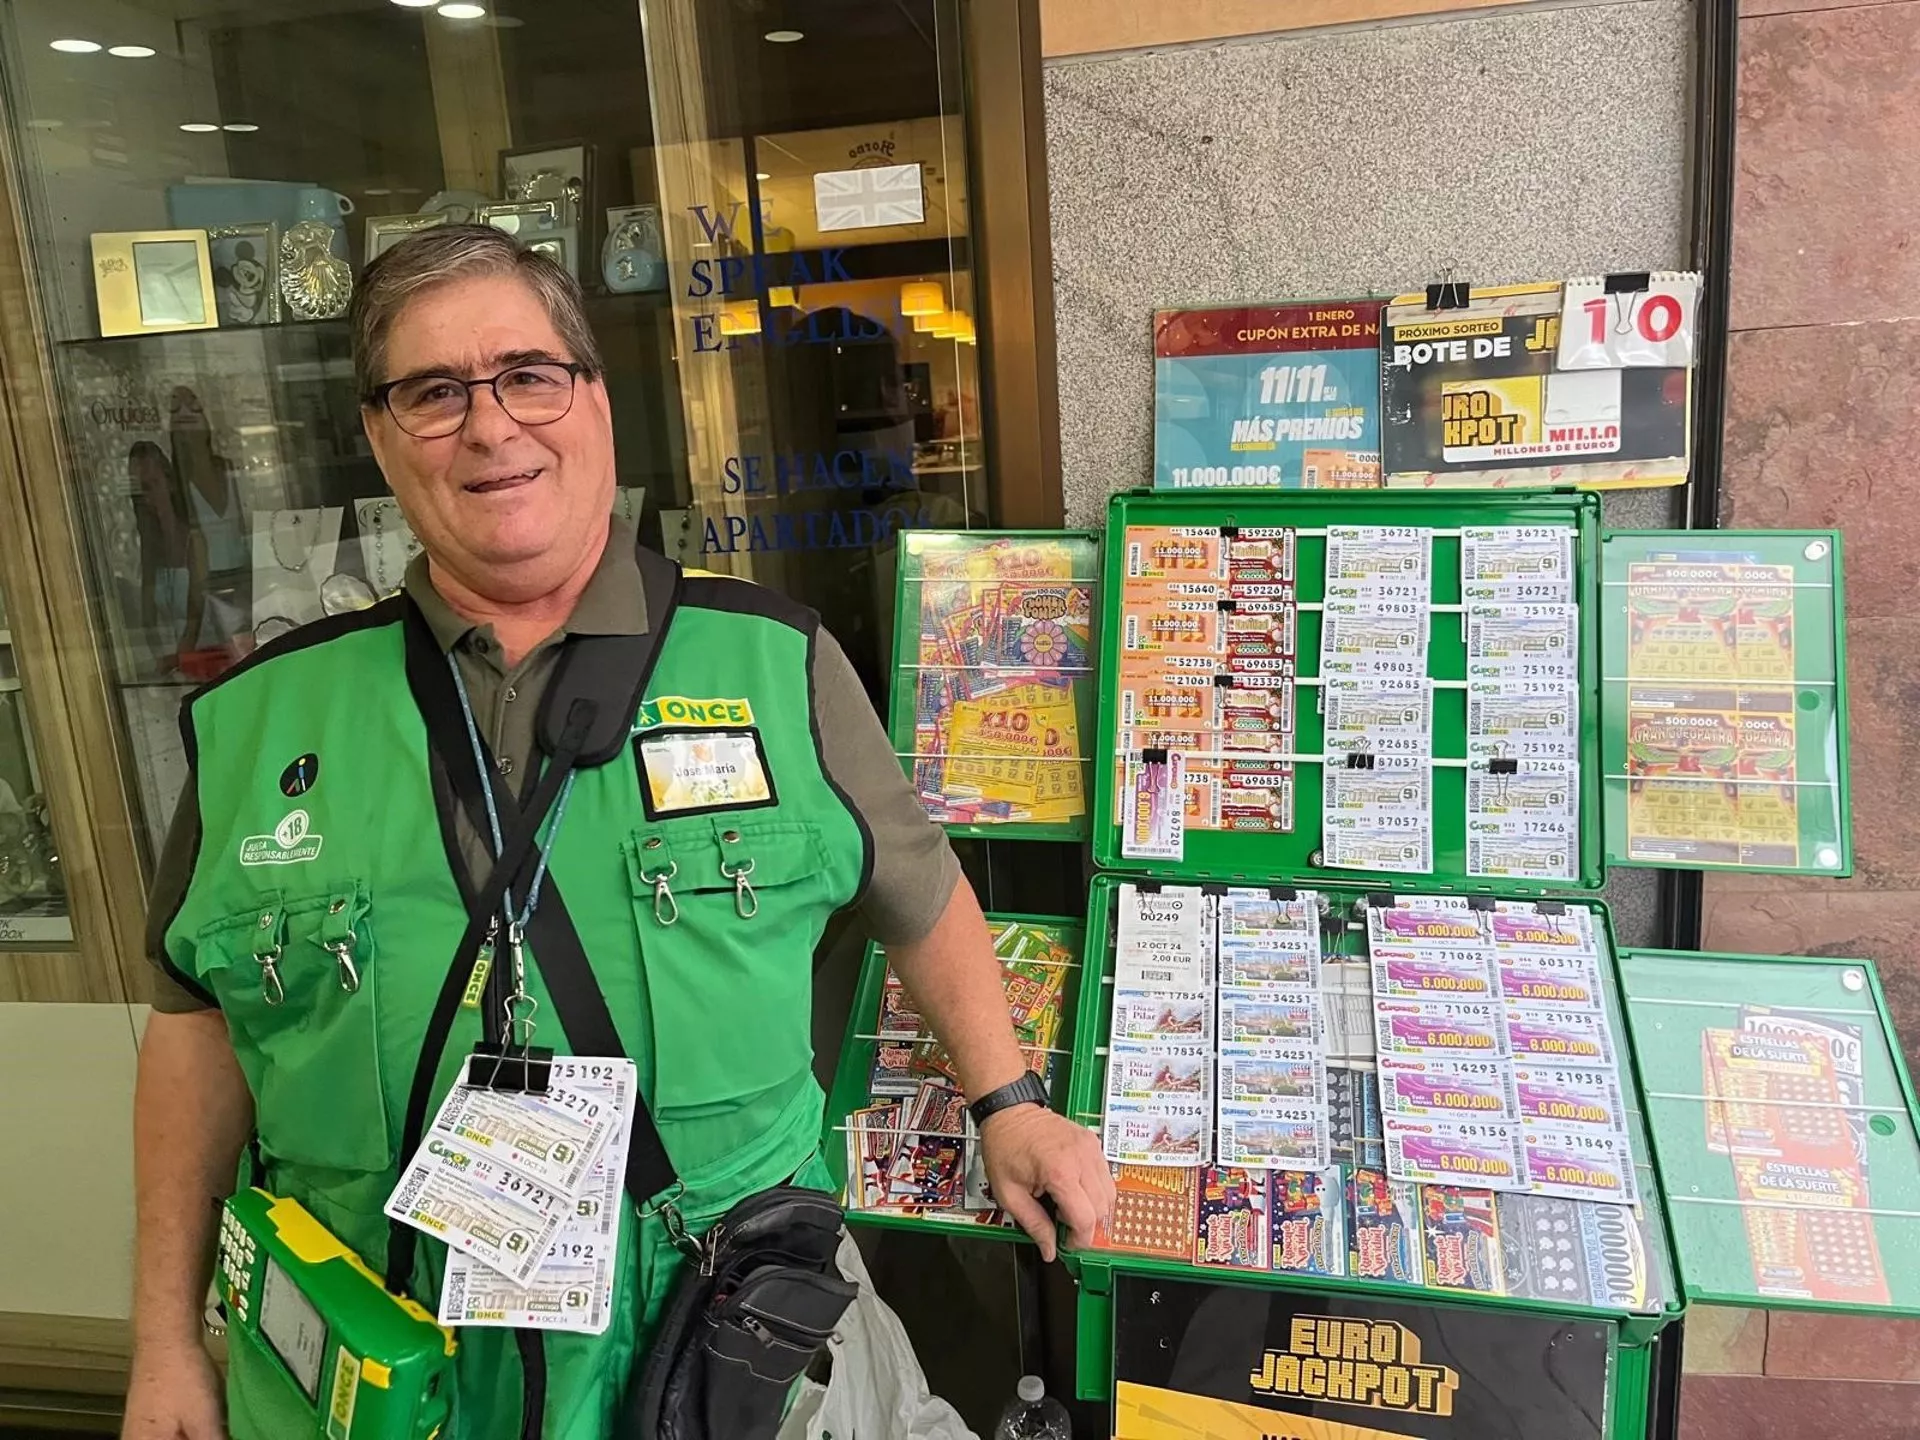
1381, 1229
1447, 1030
1460, 1233
1233, 1219
1308, 1208
1454, 1152
1153, 1212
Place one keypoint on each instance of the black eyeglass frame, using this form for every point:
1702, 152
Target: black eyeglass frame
382, 395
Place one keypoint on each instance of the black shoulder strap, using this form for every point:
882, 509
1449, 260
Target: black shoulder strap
585, 719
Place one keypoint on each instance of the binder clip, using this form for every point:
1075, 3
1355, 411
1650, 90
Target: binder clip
1224, 680
1154, 755
1285, 894
1213, 888
1378, 900
1229, 532
1147, 887
1479, 902
1359, 760
1449, 295
1628, 282
1503, 765
523, 1069
1550, 907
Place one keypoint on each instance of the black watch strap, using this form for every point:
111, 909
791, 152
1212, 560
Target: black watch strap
1029, 1089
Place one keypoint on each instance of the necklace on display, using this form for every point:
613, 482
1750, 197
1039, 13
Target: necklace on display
293, 518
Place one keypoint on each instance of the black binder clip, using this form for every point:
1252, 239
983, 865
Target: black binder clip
1359, 760
1377, 900
1503, 765
1449, 295
1147, 887
1154, 755
1550, 907
1213, 888
1285, 894
1229, 532
1224, 680
1628, 282
1226, 606
523, 1069
1479, 902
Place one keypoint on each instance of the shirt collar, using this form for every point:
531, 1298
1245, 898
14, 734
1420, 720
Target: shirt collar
613, 603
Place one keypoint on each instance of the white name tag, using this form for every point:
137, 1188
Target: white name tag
691, 771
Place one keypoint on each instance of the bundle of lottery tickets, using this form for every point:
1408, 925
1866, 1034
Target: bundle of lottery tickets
525, 1190
1003, 632
914, 1150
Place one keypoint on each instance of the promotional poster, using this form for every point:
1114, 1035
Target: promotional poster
1285, 397
1476, 397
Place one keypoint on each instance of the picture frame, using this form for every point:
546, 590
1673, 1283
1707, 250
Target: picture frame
521, 218
153, 282
246, 273
386, 231
562, 245
561, 171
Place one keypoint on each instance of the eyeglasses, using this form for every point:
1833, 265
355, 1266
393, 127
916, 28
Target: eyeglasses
429, 407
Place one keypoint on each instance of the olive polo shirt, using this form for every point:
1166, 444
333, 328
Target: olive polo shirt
914, 869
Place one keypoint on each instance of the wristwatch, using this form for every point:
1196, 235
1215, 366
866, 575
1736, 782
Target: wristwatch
1029, 1089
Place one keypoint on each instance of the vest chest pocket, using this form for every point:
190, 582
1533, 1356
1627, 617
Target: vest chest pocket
298, 983
728, 912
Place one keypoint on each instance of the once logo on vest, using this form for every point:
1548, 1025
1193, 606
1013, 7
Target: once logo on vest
290, 843
679, 710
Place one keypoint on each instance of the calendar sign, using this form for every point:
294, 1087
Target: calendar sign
1607, 326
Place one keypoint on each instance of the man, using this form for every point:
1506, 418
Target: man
331, 840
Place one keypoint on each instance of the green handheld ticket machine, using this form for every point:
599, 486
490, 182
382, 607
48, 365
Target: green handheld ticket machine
317, 1347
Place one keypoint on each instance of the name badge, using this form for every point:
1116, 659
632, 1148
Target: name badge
693, 772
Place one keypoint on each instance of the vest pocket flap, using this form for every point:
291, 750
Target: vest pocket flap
715, 853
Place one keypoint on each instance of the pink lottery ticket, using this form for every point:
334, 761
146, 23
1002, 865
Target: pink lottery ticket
1405, 925
1572, 1037
1570, 1096
1446, 1089
1547, 979
1580, 1165
1559, 934
1483, 1154
1447, 1029
1436, 974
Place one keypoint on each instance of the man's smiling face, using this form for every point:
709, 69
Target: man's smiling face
509, 509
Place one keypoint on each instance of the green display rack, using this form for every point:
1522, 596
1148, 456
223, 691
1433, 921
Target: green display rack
949, 646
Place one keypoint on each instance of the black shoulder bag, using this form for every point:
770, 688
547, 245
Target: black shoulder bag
761, 1294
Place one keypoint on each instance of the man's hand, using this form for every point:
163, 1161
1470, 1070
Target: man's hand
1031, 1152
174, 1394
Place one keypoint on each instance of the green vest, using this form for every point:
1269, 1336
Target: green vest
715, 1009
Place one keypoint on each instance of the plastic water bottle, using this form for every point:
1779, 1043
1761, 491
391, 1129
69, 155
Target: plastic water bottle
1034, 1415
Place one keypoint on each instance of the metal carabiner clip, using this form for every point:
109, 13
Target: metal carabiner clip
342, 952
270, 974
666, 909
746, 904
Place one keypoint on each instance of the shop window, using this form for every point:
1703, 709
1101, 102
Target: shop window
766, 203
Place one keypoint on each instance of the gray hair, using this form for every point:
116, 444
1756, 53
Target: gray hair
444, 253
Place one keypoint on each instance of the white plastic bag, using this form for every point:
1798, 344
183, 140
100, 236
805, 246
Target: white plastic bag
878, 1390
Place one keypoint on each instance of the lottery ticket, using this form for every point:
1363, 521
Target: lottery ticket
575, 1297
1426, 926
1153, 1212
1175, 552
1542, 791
1254, 796
1518, 925
1256, 703
1460, 1238
1148, 1017
479, 1207
1273, 1135
1261, 552
1153, 794
1523, 563
1172, 623
552, 1138
1162, 940
1363, 641
1246, 968
1364, 720
1432, 973
1379, 819
1379, 555
1271, 1070
1307, 1210
1382, 1228
1580, 1164
1232, 1225
1502, 855
1139, 1132
1156, 694
1523, 642
1440, 1030
1446, 1089
1575, 1097
1265, 940
1481, 1153
1159, 1072
1566, 1037
1503, 725
1264, 637
1268, 1015
1548, 980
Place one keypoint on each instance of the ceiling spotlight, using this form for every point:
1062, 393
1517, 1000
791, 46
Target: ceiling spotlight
460, 10
762, 175
74, 47
417, 4
241, 127
200, 127
131, 52
785, 37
